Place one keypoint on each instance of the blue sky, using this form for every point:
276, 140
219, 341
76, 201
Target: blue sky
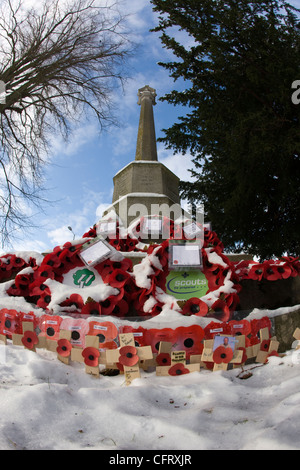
80, 175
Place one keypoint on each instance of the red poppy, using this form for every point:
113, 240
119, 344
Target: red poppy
128, 356
108, 305
91, 308
138, 333
50, 325
130, 244
283, 270
9, 322
154, 336
256, 272
39, 288
91, 356
91, 233
265, 344
30, 339
270, 272
240, 327
104, 330
64, 347
163, 359
120, 309
17, 262
222, 354
44, 301
195, 306
257, 325
117, 278
220, 310
75, 301
215, 328
189, 339
178, 369
79, 328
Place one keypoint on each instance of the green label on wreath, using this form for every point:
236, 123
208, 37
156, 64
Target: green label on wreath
186, 285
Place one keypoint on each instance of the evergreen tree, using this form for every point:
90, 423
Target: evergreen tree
242, 120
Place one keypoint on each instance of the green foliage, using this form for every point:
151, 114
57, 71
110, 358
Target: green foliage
239, 60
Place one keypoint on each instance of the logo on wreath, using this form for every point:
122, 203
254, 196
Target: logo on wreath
83, 278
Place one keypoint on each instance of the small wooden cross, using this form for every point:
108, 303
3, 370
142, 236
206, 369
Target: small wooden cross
90, 355
128, 357
28, 339
270, 345
177, 365
208, 355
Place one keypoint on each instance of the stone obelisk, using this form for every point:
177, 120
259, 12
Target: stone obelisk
145, 186
146, 139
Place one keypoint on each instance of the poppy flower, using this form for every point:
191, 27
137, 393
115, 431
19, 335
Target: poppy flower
240, 327
265, 344
64, 347
91, 233
50, 325
215, 328
195, 306
256, 272
128, 356
259, 324
9, 322
44, 301
108, 305
130, 244
220, 310
91, 308
178, 369
79, 329
163, 359
91, 356
154, 336
117, 278
189, 339
270, 272
222, 354
284, 270
138, 333
104, 330
39, 288
29, 339
17, 262
120, 309
75, 300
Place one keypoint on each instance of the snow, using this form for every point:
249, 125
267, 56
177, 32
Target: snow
45, 404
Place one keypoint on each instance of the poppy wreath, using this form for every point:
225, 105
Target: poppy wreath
221, 299
11, 264
272, 270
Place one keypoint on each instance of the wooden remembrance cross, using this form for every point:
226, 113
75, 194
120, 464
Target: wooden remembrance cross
128, 357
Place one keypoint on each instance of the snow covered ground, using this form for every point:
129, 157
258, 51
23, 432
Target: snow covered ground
45, 404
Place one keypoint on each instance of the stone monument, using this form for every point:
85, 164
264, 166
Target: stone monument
145, 187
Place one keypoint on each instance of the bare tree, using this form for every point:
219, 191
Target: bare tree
58, 60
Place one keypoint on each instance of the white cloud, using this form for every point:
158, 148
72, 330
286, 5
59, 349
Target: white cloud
178, 164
